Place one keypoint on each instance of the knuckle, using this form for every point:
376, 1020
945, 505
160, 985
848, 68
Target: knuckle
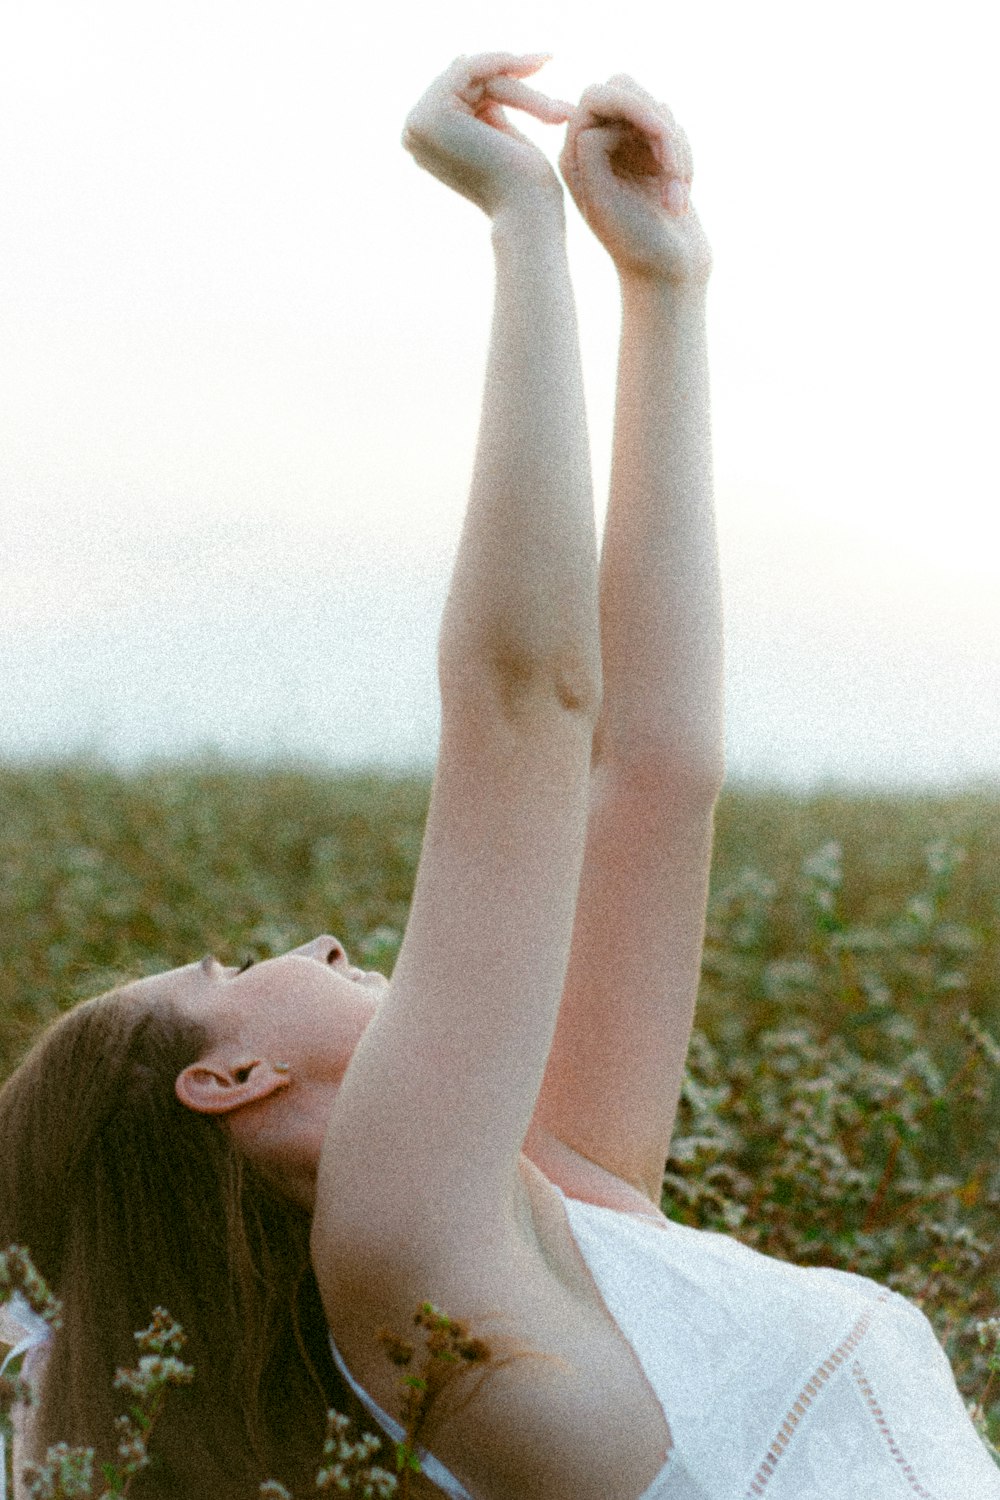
416, 126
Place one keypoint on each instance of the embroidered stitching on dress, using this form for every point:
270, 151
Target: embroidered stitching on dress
886, 1431
808, 1394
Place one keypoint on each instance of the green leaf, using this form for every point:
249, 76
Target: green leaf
407, 1459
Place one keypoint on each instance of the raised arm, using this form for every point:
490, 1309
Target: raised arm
616, 1067
661, 628
522, 612
442, 1087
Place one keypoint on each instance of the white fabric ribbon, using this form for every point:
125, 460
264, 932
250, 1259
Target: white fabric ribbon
22, 1326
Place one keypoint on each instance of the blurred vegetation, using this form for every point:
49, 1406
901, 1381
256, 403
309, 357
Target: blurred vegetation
842, 1104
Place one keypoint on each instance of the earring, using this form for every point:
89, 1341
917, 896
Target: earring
281, 1067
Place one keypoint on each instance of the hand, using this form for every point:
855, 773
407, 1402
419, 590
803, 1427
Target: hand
627, 163
459, 132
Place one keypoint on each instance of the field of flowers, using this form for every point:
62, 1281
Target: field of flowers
842, 1105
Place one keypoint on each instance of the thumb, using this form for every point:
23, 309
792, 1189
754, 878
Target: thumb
493, 114
591, 166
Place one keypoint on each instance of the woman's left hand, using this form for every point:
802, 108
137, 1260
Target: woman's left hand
627, 164
459, 132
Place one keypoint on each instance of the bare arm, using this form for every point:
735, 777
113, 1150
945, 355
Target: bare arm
442, 1087
523, 588
660, 610
617, 1062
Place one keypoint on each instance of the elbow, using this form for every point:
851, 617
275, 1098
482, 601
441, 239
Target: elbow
563, 680
518, 685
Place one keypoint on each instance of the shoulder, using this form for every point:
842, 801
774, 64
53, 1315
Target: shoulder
557, 1366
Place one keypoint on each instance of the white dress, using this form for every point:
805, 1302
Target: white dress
29, 1335
781, 1381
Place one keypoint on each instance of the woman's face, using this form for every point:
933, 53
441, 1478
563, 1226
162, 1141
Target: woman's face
279, 1037
306, 1009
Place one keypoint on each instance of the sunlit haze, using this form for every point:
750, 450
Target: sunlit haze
243, 340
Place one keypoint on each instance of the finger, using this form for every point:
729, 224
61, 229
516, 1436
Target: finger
626, 81
628, 100
509, 91
598, 111
569, 166
662, 111
585, 162
603, 104
676, 199
681, 145
591, 162
486, 64
466, 77
685, 159
493, 115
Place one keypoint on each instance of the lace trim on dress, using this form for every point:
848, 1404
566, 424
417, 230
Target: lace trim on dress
808, 1394
886, 1431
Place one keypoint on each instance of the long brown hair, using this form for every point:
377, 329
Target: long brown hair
126, 1200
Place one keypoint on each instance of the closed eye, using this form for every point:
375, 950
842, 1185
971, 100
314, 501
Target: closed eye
247, 963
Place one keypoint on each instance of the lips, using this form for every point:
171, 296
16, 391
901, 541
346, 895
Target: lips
362, 976
371, 979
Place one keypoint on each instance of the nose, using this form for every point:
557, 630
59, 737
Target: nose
324, 949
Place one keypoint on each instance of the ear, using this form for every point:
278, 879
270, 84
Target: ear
213, 1087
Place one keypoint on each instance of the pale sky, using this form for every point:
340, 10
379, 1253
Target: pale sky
243, 339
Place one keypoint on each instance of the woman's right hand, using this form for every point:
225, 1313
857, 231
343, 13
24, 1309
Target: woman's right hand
628, 165
459, 132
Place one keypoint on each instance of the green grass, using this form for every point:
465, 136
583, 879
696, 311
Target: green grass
843, 1097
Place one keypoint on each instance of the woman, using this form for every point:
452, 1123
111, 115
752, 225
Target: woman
488, 1129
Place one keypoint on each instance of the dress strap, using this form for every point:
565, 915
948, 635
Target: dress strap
432, 1467
30, 1335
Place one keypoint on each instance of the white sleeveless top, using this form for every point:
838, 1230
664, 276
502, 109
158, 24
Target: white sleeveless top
781, 1381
